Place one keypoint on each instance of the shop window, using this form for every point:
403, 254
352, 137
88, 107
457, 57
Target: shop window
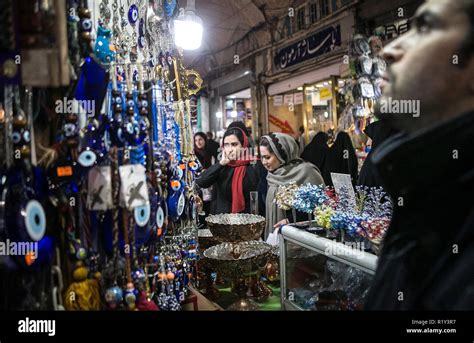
287, 28
313, 13
335, 5
300, 19
323, 8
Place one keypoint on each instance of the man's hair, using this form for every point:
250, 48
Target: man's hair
467, 48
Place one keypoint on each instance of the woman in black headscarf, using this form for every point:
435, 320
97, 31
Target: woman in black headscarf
316, 151
379, 132
341, 159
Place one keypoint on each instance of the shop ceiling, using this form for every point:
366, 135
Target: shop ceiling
229, 22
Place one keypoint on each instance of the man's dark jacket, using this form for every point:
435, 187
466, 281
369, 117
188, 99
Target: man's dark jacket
427, 261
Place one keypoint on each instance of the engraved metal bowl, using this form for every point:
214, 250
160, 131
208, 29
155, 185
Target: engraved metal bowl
206, 240
233, 227
237, 260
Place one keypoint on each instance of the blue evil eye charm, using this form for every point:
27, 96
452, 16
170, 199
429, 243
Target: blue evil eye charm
176, 203
35, 220
142, 215
130, 128
175, 185
169, 7
16, 137
178, 173
26, 136
160, 217
87, 158
193, 165
133, 14
141, 41
86, 25
69, 130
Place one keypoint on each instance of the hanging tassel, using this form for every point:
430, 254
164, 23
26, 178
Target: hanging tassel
83, 294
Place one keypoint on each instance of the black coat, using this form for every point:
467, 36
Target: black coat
213, 147
427, 261
220, 177
316, 151
379, 132
341, 159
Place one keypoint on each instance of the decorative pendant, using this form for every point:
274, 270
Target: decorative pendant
133, 14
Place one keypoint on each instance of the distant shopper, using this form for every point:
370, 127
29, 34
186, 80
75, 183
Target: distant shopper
378, 132
301, 141
212, 145
341, 159
201, 150
317, 151
206, 159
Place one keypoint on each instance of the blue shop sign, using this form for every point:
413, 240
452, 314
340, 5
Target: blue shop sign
313, 46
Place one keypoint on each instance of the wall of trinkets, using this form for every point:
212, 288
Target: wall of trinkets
361, 89
97, 169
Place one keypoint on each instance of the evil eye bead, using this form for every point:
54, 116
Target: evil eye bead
144, 103
179, 173
69, 130
118, 100
141, 41
160, 217
130, 103
120, 134
16, 137
130, 128
87, 24
181, 204
35, 220
87, 158
133, 14
142, 215
175, 185
193, 166
26, 136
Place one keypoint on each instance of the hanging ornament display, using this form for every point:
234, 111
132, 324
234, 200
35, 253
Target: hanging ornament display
112, 196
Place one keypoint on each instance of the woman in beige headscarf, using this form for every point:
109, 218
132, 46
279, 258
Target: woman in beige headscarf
279, 155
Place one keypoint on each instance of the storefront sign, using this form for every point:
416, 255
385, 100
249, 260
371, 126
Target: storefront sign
298, 98
325, 94
278, 100
289, 99
393, 30
315, 45
283, 125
